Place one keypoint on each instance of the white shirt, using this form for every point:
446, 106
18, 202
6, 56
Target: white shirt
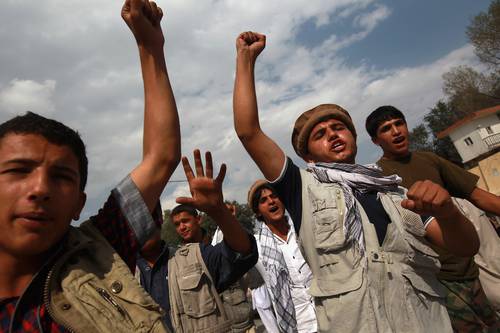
300, 276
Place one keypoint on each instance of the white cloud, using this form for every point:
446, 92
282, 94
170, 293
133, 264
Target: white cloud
88, 51
23, 95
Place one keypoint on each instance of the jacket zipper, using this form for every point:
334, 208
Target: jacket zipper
47, 303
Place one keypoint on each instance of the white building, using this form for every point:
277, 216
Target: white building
477, 139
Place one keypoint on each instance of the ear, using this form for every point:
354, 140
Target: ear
375, 141
81, 203
198, 220
308, 158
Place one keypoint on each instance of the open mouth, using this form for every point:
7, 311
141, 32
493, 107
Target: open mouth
273, 209
338, 146
398, 140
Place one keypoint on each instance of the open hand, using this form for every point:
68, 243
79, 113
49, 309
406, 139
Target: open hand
206, 192
428, 198
143, 17
251, 42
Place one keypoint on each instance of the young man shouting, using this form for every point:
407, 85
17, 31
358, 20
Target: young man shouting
466, 301
58, 278
366, 244
285, 273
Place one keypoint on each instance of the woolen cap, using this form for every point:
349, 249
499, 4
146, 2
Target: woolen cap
307, 120
258, 184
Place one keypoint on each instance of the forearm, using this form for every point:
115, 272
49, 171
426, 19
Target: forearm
454, 233
234, 234
485, 200
161, 140
246, 119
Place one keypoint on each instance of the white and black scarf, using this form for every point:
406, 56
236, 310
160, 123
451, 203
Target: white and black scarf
277, 278
355, 178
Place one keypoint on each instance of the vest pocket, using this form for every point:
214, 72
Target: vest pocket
194, 286
425, 282
233, 295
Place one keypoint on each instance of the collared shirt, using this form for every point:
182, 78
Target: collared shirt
123, 213
154, 279
300, 280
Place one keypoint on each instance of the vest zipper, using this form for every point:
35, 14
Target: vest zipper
46, 300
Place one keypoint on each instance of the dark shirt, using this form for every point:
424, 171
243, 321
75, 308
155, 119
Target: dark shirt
289, 189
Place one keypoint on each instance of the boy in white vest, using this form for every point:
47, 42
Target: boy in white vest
366, 242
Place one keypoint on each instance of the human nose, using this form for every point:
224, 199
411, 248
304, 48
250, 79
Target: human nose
39, 187
395, 130
332, 134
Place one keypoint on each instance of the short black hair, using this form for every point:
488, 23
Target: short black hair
184, 208
54, 132
381, 114
256, 199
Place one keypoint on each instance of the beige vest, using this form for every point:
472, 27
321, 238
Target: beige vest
195, 304
392, 289
91, 289
488, 257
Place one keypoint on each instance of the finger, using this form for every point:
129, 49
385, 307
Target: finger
187, 169
408, 204
198, 164
429, 197
222, 173
146, 9
154, 11
209, 166
185, 201
160, 14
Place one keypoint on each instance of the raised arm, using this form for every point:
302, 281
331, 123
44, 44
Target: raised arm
450, 229
161, 142
207, 196
265, 152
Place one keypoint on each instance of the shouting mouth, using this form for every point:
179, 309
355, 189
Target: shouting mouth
398, 140
338, 146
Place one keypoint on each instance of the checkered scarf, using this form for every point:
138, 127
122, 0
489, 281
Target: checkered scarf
355, 178
277, 278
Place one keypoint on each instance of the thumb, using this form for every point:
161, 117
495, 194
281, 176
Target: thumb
185, 201
408, 204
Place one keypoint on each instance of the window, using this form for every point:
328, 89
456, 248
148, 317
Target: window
468, 141
489, 130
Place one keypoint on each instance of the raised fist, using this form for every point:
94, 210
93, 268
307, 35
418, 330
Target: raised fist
251, 42
143, 17
428, 198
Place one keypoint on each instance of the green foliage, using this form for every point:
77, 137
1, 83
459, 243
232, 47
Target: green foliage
484, 34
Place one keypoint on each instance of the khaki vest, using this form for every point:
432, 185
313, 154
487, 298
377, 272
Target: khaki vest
392, 289
195, 304
91, 289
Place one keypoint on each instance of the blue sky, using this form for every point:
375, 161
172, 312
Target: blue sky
76, 61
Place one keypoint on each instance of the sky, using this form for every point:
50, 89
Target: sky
77, 62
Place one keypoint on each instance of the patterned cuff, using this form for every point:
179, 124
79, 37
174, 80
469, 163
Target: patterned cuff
135, 210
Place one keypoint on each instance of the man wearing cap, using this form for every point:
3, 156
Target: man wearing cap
366, 243
285, 273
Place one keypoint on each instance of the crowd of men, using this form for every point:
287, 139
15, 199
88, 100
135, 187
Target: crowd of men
337, 247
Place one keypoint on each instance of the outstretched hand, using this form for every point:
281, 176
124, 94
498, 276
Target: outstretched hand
251, 42
143, 17
206, 192
428, 198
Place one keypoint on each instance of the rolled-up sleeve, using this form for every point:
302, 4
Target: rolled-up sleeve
225, 265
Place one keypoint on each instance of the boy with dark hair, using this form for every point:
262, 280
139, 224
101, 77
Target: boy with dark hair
285, 273
466, 302
199, 273
366, 243
58, 278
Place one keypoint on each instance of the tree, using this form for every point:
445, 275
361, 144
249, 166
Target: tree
419, 139
468, 90
484, 34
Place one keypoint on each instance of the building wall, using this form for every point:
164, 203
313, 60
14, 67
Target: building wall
476, 131
488, 170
